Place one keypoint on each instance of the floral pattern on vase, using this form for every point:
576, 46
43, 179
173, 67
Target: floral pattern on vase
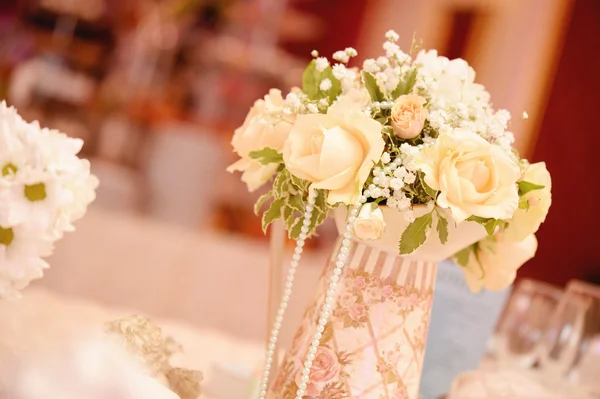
374, 343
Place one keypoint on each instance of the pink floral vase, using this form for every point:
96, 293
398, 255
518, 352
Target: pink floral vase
374, 343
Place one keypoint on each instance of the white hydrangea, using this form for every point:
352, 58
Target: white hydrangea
390, 49
370, 65
44, 187
325, 85
321, 64
339, 71
392, 36
341, 56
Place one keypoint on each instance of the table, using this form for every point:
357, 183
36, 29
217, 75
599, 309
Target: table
43, 319
212, 281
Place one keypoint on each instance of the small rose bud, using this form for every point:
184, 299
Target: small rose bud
369, 224
408, 116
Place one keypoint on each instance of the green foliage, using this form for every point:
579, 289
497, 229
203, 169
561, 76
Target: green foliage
288, 201
274, 212
372, 87
261, 201
462, 256
415, 234
489, 223
442, 227
405, 86
525, 187
266, 156
311, 80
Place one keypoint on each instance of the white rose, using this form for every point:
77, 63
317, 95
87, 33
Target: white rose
369, 224
497, 261
473, 176
335, 151
528, 221
264, 126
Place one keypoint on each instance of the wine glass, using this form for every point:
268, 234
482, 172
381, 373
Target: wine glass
522, 325
571, 348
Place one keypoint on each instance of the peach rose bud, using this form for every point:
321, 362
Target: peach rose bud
369, 224
408, 116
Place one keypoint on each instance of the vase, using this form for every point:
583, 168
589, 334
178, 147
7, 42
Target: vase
373, 345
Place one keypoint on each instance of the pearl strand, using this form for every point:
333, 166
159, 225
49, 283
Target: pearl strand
329, 299
285, 298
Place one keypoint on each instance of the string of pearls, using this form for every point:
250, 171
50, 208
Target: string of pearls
287, 292
327, 305
379, 104
329, 299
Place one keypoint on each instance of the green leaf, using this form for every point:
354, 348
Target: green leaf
288, 213
372, 87
281, 184
295, 231
442, 228
489, 224
524, 204
462, 256
336, 86
296, 202
266, 156
321, 201
311, 81
430, 191
383, 120
526, 186
298, 184
274, 212
405, 86
261, 201
415, 234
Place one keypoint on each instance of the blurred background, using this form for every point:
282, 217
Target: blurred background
157, 87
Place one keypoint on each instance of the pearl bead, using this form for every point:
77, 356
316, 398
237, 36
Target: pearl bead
362, 199
387, 170
367, 193
376, 180
298, 250
310, 356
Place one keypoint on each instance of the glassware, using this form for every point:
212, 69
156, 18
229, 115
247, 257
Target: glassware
522, 324
571, 348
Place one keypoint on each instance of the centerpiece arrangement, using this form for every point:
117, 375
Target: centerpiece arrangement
409, 156
44, 188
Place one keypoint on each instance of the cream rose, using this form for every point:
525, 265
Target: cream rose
265, 126
408, 116
528, 221
369, 224
360, 97
335, 151
325, 369
473, 176
497, 261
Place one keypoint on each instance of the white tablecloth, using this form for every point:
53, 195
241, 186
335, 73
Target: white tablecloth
43, 319
212, 281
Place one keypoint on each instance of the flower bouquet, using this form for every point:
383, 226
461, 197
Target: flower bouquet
44, 187
416, 166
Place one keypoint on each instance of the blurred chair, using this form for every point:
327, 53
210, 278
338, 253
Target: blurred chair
181, 167
120, 190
